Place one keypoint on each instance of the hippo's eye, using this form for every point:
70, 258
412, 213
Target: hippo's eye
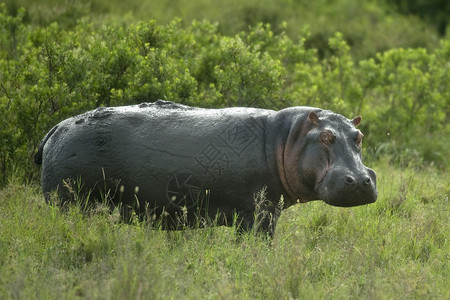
359, 139
327, 137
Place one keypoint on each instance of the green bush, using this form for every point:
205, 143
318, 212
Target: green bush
51, 73
435, 12
368, 26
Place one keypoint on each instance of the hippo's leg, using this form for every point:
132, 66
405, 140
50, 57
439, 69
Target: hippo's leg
261, 221
60, 193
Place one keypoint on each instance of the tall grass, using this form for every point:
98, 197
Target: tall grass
396, 248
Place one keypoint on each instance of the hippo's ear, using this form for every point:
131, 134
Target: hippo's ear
313, 118
356, 120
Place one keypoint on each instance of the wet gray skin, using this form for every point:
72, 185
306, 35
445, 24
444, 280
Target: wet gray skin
170, 160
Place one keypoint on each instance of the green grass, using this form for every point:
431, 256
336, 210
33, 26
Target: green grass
396, 248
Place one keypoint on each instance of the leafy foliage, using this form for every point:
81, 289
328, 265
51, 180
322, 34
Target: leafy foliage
369, 26
436, 12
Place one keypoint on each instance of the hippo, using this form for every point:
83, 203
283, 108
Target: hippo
182, 164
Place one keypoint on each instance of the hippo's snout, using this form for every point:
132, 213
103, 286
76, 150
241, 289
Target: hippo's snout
346, 189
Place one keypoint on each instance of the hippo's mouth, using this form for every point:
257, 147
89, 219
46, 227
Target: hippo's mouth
350, 204
348, 198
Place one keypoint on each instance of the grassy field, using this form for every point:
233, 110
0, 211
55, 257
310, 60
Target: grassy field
396, 248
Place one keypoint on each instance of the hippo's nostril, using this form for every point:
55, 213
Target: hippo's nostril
350, 180
367, 180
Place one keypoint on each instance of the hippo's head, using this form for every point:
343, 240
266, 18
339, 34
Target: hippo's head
322, 160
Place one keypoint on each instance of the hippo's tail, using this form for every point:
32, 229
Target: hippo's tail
38, 155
